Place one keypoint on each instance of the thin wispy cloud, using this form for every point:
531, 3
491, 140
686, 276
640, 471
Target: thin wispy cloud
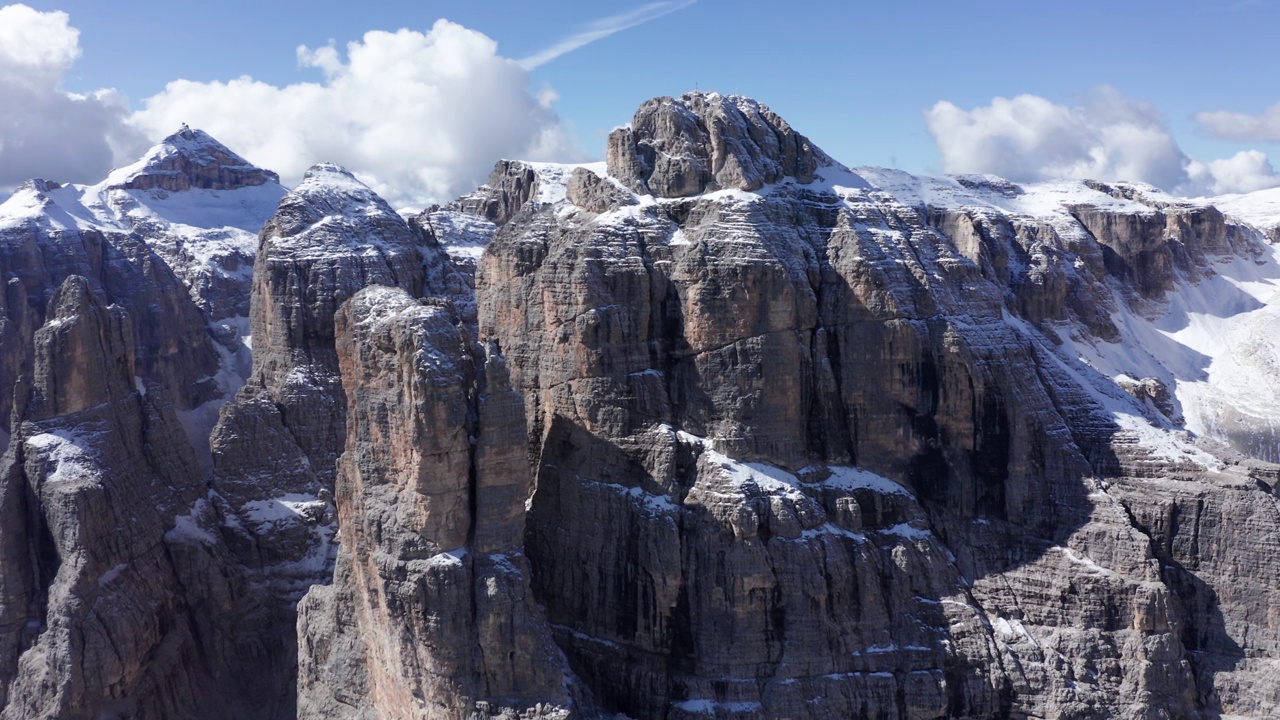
603, 28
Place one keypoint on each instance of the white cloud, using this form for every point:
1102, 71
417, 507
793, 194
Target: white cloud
1108, 136
603, 28
1263, 127
1027, 138
1244, 172
45, 132
420, 116
39, 45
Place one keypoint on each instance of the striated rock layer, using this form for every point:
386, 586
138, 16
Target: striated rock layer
429, 614
718, 428
827, 448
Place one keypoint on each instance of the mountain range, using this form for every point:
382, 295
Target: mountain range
716, 428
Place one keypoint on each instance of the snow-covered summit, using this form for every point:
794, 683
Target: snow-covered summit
337, 190
192, 200
190, 159
333, 214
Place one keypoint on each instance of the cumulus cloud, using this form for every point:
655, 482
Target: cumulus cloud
1107, 136
1027, 138
44, 131
420, 116
1246, 171
1263, 127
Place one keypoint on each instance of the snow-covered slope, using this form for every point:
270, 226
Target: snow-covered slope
1260, 209
1213, 339
196, 203
198, 207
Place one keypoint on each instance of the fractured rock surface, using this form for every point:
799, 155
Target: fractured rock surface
718, 428
697, 369
430, 603
108, 607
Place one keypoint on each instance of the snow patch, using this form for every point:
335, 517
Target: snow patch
67, 454
655, 503
188, 528
852, 478
448, 559
285, 510
760, 477
908, 531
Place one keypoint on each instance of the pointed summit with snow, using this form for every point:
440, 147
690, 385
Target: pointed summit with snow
190, 159
191, 199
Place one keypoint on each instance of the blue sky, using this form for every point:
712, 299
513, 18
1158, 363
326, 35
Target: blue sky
862, 79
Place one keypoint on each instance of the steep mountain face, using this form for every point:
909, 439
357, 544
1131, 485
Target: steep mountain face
121, 600
117, 596
716, 428
430, 602
814, 443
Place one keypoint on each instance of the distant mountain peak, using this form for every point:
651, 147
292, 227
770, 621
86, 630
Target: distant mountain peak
190, 158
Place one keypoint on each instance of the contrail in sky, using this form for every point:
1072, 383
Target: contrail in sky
603, 28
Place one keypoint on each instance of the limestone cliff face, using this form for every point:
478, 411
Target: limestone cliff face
281, 437
821, 450
40, 250
276, 446
107, 607
429, 614
718, 428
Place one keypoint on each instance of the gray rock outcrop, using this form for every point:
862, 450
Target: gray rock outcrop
429, 614
717, 429
708, 141
510, 186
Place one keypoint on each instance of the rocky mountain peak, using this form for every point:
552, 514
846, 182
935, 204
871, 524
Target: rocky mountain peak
332, 212
84, 354
191, 159
705, 141
332, 187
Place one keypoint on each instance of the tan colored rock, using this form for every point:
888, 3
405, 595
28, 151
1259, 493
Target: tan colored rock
429, 614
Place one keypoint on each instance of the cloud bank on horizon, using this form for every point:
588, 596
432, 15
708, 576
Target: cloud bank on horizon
419, 116
1107, 136
422, 116
1263, 127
